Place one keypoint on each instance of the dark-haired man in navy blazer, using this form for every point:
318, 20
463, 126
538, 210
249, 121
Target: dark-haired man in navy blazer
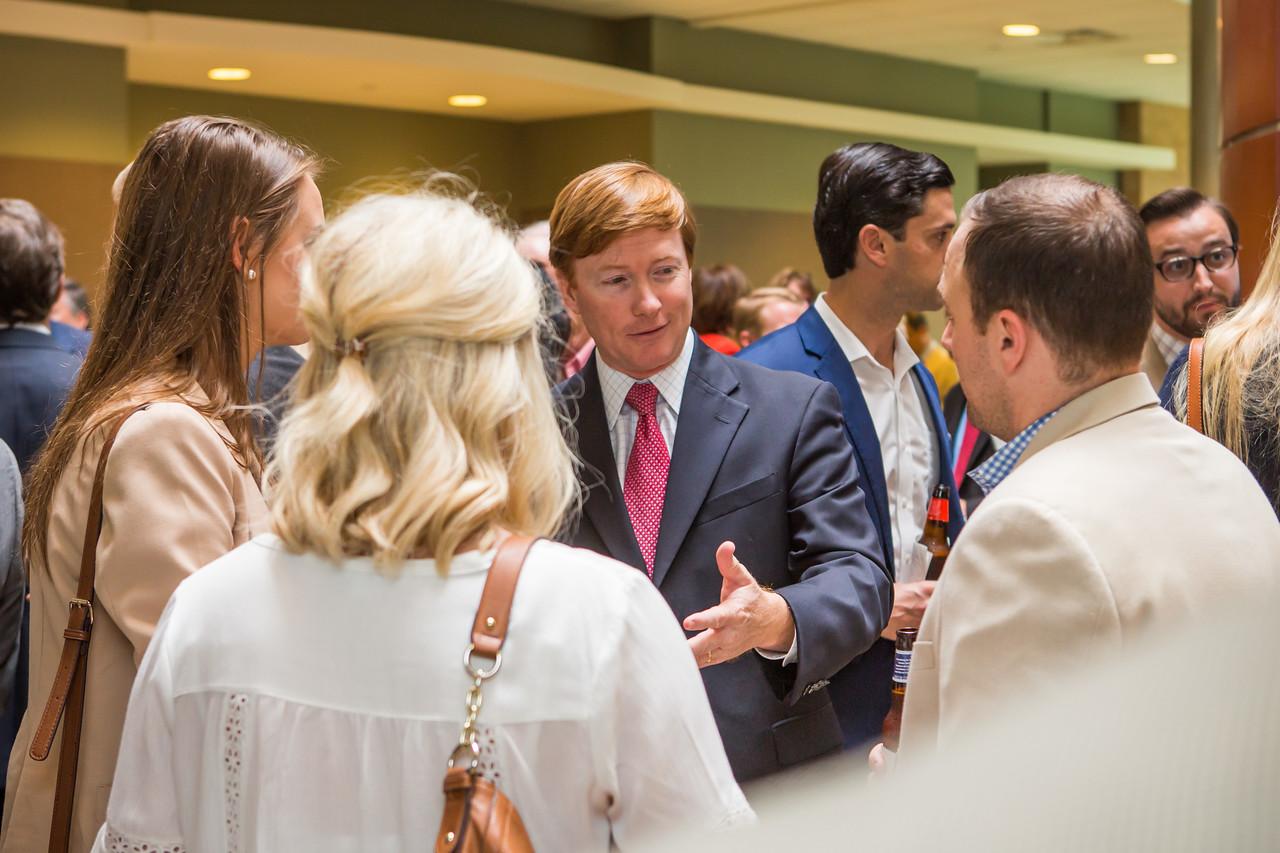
883, 219
732, 486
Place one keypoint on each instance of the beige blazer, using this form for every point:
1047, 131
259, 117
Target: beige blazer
1116, 520
174, 500
1153, 363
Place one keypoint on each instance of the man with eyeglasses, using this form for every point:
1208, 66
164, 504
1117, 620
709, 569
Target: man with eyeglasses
1195, 243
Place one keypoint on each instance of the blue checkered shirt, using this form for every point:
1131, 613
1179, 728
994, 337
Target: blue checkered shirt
991, 473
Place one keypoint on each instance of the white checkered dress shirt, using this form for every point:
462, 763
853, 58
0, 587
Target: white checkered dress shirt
1170, 346
991, 473
622, 419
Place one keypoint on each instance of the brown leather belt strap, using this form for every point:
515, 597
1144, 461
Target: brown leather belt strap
1195, 386
489, 631
67, 693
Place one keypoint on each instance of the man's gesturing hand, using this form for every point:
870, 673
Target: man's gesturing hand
747, 617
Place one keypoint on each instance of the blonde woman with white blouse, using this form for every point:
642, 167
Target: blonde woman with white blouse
305, 691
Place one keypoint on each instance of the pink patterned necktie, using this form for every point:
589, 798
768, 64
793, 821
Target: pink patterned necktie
646, 481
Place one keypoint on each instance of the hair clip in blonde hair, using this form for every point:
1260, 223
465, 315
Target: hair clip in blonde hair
355, 347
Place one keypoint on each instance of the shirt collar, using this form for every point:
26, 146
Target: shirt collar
904, 358
40, 328
993, 472
1170, 346
578, 360
614, 384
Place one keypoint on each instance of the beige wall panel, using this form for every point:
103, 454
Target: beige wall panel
77, 198
1156, 124
760, 242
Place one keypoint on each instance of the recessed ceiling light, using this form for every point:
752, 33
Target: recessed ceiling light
467, 100
1160, 58
1021, 31
225, 73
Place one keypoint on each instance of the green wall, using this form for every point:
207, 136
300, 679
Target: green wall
356, 142
550, 153
759, 63
1055, 112
63, 101
743, 164
488, 22
1011, 106
990, 176
1081, 115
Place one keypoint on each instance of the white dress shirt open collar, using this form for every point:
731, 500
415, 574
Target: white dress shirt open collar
898, 408
904, 358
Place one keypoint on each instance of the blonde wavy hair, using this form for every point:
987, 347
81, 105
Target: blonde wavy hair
1240, 375
422, 420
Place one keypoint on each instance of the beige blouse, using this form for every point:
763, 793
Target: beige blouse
174, 500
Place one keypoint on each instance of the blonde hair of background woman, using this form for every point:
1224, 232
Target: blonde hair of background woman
443, 430
1241, 370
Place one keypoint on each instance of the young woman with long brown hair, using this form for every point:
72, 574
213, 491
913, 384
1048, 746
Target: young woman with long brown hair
210, 228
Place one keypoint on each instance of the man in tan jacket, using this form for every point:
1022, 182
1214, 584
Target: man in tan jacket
1105, 517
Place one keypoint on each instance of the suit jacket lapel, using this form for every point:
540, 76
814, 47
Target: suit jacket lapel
709, 419
833, 367
1108, 401
603, 506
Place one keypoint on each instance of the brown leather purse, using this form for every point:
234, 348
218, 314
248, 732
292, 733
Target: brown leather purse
66, 697
477, 817
1195, 386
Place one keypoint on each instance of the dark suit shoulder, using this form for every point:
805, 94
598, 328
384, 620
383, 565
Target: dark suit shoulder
570, 388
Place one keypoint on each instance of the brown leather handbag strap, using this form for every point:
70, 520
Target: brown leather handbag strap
67, 694
1195, 386
489, 631
477, 818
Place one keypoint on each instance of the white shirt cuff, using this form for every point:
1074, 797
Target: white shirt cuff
787, 659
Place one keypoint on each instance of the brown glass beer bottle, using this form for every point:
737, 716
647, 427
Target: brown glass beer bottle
934, 536
901, 667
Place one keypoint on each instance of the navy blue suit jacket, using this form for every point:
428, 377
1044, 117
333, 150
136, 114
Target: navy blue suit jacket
36, 375
70, 338
861, 693
759, 459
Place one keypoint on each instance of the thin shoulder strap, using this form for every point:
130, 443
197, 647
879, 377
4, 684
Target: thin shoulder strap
1195, 386
489, 631
67, 694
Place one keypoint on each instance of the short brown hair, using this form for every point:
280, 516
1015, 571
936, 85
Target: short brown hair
601, 205
1183, 201
716, 290
746, 313
1071, 257
788, 275
31, 263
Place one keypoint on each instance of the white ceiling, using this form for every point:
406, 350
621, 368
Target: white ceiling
967, 33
